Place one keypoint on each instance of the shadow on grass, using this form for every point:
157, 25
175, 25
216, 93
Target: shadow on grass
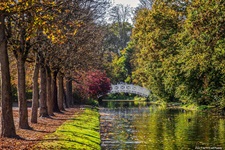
79, 132
62, 144
82, 135
88, 128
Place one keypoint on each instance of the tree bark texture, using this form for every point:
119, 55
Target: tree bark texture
21, 90
7, 122
60, 92
49, 93
69, 92
0, 86
35, 95
64, 98
54, 92
43, 94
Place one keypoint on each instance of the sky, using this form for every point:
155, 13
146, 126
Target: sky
132, 3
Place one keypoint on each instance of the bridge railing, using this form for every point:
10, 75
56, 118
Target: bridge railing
130, 88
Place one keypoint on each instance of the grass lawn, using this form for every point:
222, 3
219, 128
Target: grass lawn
82, 132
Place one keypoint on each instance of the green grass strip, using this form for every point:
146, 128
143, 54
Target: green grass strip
82, 132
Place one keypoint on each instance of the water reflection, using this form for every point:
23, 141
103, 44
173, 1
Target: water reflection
152, 128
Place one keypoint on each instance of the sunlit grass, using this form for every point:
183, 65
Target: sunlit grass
80, 133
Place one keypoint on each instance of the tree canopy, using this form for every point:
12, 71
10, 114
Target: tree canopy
179, 50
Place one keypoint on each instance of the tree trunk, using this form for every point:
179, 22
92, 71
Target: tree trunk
69, 92
60, 92
0, 86
43, 95
7, 122
21, 90
64, 98
35, 95
49, 93
54, 92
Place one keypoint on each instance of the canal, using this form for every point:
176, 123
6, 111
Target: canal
130, 126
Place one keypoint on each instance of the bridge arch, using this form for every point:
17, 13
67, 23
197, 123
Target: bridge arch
129, 88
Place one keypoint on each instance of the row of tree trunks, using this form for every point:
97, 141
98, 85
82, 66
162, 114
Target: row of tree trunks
52, 98
49, 102
7, 122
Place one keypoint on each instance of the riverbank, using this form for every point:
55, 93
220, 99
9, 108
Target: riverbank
215, 110
80, 132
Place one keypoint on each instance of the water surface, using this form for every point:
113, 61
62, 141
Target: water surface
128, 127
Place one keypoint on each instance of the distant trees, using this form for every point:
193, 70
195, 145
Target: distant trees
119, 30
146, 4
121, 65
116, 40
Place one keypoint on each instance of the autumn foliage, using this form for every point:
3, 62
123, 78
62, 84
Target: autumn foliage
94, 84
56, 38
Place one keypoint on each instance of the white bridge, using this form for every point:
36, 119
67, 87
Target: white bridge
129, 88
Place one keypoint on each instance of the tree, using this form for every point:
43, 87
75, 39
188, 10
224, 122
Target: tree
154, 39
43, 92
119, 30
83, 49
60, 93
146, 4
121, 67
0, 86
117, 36
201, 55
49, 93
35, 95
23, 27
8, 127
